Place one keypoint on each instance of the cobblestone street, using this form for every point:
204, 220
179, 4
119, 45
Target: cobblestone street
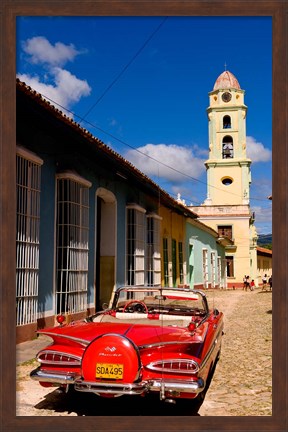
242, 383
241, 386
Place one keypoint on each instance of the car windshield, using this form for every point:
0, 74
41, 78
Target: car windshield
164, 300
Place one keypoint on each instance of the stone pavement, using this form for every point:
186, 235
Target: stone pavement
242, 383
26, 351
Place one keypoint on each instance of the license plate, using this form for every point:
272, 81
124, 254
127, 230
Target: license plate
109, 370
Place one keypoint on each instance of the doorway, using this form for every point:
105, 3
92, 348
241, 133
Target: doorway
105, 265
191, 266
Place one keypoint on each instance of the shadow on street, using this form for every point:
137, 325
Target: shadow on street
84, 404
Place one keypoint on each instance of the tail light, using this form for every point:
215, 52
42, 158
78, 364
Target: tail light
60, 319
58, 359
182, 366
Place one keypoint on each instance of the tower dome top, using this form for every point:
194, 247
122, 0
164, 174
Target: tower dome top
225, 81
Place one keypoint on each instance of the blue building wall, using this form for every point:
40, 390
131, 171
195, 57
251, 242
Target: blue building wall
198, 239
124, 193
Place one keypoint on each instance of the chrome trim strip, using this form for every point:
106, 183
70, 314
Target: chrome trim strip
80, 341
162, 344
53, 377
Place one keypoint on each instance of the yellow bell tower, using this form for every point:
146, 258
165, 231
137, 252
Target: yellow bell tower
228, 168
227, 206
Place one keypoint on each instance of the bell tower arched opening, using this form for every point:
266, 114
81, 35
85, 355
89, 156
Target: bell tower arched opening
227, 147
226, 122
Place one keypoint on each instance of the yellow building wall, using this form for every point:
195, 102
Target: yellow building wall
225, 195
241, 254
172, 227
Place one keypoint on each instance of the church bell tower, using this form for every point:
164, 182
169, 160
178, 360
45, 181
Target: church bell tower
228, 168
227, 206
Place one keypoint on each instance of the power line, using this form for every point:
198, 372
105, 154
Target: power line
125, 68
144, 154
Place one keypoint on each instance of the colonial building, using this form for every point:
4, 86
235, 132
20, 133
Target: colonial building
264, 263
227, 206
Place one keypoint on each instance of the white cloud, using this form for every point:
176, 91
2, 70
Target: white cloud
71, 87
162, 156
263, 219
262, 214
60, 85
41, 50
256, 150
261, 187
68, 89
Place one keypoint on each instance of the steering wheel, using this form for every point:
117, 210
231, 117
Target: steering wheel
139, 306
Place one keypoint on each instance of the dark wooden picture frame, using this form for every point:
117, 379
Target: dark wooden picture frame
10, 9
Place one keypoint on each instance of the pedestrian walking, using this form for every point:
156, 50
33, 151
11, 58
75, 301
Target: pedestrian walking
270, 282
244, 282
247, 283
264, 282
252, 286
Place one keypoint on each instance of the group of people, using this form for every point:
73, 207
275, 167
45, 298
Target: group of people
266, 281
247, 284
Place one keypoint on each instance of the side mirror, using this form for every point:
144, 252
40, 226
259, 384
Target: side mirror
105, 306
216, 312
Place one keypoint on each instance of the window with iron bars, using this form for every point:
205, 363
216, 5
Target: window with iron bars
181, 262
205, 267
165, 261
72, 225
174, 262
213, 269
219, 270
153, 251
135, 245
28, 183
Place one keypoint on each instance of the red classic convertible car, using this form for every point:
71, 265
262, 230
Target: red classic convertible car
150, 340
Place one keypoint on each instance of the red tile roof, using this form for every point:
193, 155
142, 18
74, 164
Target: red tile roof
226, 81
262, 250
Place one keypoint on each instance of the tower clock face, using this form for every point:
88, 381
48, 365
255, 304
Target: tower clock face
226, 97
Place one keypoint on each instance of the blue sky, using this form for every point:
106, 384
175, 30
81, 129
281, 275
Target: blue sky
141, 85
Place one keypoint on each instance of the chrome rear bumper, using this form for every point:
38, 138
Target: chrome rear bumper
165, 386
113, 388
53, 377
